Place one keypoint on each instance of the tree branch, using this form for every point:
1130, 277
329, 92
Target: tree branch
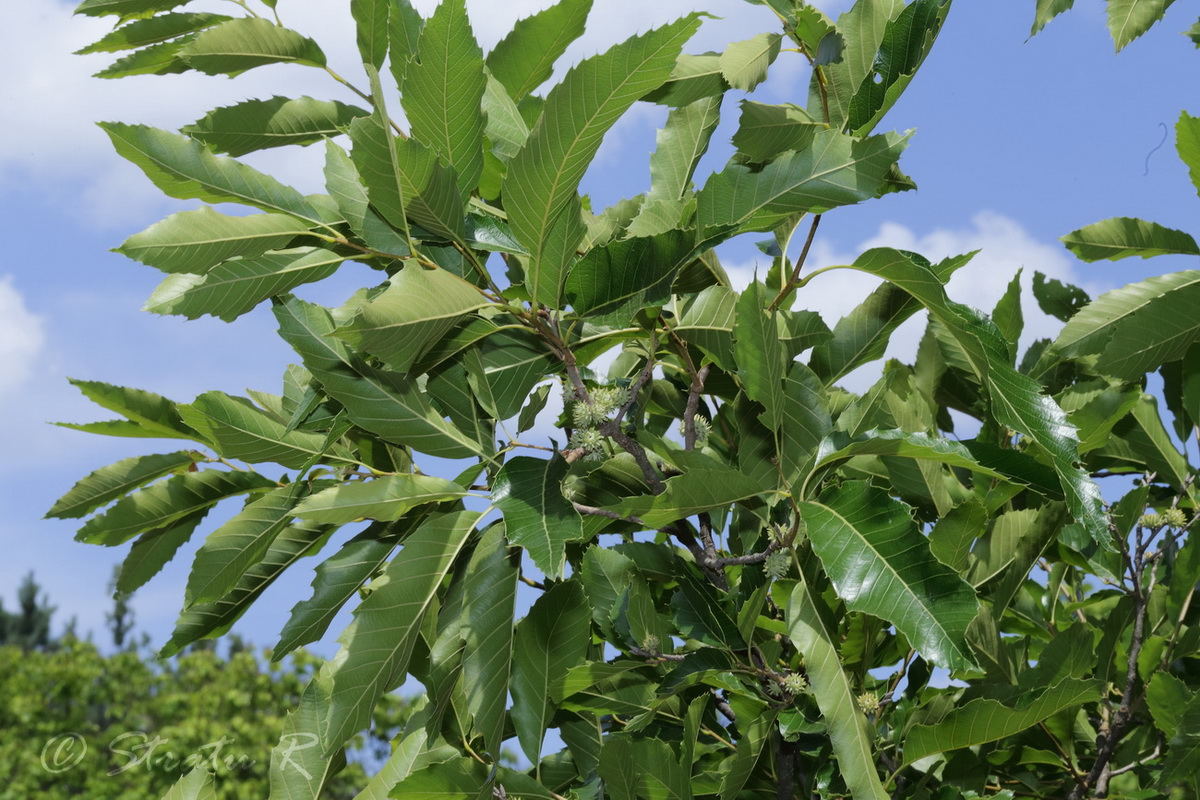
604, 512
795, 278
1108, 739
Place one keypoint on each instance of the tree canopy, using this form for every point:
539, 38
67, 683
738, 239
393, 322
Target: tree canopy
715, 572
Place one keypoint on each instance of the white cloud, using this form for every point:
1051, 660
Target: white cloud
1005, 247
21, 338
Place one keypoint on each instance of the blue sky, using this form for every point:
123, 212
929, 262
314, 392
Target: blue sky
1018, 142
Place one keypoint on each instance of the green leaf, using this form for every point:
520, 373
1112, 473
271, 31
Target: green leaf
530, 411
241, 430
503, 369
167, 501
616, 768
443, 92
982, 720
489, 601
766, 131
905, 44
612, 283
375, 156
1015, 398
412, 754
157, 59
504, 126
1129, 19
524, 59
387, 497
193, 241
153, 549
152, 31
210, 620
1168, 697
1057, 299
418, 307
183, 168
1122, 237
235, 287
744, 64
682, 142
540, 191
754, 734
238, 545
404, 33
108, 483
551, 639
707, 484
1048, 10
700, 614
693, 78
952, 536
156, 415
353, 203
384, 403
862, 29
1187, 142
920, 446
880, 564
1183, 753
197, 784
528, 491
862, 335
261, 124
371, 29
241, 44
460, 779
1138, 327
337, 579
762, 362
125, 10
1193, 33
707, 323
299, 769
377, 645
836, 170
1008, 315
848, 733
431, 197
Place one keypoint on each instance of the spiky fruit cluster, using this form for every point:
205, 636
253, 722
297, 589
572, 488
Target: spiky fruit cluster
778, 562
703, 429
602, 403
651, 644
795, 683
1175, 517
1152, 520
868, 702
590, 441
587, 415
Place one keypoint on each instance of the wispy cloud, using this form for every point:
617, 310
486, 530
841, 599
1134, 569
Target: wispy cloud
21, 339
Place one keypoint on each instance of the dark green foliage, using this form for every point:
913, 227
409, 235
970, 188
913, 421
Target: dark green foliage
742, 580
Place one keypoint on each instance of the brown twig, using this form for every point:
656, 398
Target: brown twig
795, 277
604, 512
724, 708
639, 652
751, 558
1110, 735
